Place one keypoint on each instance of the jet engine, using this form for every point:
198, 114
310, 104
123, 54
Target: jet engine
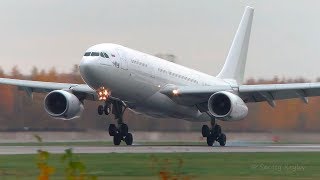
227, 106
62, 104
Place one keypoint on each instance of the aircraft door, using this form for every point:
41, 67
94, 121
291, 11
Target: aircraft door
123, 59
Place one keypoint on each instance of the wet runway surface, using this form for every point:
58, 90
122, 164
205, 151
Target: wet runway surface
162, 149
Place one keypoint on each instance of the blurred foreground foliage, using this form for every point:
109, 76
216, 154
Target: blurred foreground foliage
74, 169
169, 169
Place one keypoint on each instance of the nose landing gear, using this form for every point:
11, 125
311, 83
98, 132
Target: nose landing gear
214, 134
106, 109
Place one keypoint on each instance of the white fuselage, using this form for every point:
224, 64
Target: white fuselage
136, 78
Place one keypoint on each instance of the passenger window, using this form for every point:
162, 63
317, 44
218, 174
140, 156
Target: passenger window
87, 54
106, 55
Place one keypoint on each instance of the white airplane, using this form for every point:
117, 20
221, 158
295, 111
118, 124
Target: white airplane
123, 78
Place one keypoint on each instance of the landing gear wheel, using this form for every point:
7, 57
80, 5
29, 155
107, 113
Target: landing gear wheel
128, 139
117, 139
210, 140
222, 139
107, 109
123, 129
120, 132
112, 130
100, 109
216, 131
205, 131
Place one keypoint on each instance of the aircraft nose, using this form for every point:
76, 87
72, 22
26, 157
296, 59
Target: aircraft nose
87, 66
84, 65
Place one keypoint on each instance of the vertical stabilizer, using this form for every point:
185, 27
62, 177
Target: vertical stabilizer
237, 56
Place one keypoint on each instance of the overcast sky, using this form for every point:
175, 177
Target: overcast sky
285, 36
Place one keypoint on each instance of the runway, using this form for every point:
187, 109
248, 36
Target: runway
162, 149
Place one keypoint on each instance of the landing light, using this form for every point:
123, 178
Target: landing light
175, 92
103, 94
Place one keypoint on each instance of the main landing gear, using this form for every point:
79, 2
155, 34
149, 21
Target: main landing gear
214, 134
121, 131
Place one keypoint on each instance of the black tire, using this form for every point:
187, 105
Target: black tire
222, 139
210, 140
205, 131
117, 139
112, 130
124, 129
107, 110
216, 131
128, 139
100, 109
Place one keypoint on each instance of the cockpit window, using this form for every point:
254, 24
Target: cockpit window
101, 54
106, 55
94, 54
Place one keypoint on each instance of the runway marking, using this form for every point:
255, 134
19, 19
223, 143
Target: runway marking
161, 149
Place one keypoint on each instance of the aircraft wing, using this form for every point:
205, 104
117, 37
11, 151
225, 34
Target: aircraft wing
82, 91
271, 92
195, 95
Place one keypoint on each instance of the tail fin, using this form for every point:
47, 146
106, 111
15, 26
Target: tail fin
237, 56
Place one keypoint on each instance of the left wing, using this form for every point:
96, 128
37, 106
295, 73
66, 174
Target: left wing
194, 95
271, 92
82, 91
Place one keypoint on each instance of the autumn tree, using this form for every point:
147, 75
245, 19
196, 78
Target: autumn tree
15, 73
52, 75
35, 74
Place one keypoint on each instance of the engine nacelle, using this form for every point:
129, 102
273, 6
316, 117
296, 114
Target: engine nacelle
62, 104
227, 106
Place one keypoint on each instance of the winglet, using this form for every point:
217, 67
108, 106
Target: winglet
236, 60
